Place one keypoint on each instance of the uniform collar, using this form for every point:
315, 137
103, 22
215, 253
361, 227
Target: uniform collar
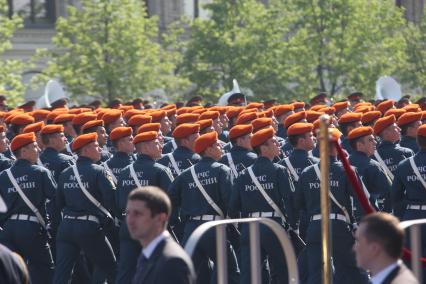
207, 160
238, 148
359, 153
144, 157
50, 149
300, 152
183, 149
262, 159
22, 162
122, 155
86, 160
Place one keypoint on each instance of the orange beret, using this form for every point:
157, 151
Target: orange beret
120, 132
317, 107
262, 136
395, 111
297, 105
185, 129
282, 109
254, 105
125, 107
91, 124
299, 128
262, 122
246, 118
82, 118
364, 109
145, 137
40, 114
421, 131
423, 115
293, 118
22, 119
360, 132
187, 118
131, 112
312, 115
412, 108
22, 140
248, 110
233, 112
382, 123
139, 119
204, 123
170, 106
408, 118
205, 141
33, 127
328, 110
385, 105
52, 128
111, 116
158, 115
370, 116
240, 130
149, 127
334, 133
220, 109
64, 118
182, 110
350, 117
198, 111
340, 105
84, 139
53, 115
267, 113
209, 115
170, 112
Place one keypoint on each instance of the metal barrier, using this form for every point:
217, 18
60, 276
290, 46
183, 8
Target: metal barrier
221, 257
416, 247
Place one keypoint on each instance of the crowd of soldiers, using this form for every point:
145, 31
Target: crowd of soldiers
66, 174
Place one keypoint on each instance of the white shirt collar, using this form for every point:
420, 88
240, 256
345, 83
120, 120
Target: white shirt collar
379, 277
149, 249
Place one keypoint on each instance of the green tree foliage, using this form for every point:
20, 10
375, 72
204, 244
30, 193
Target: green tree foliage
110, 49
10, 70
292, 49
415, 75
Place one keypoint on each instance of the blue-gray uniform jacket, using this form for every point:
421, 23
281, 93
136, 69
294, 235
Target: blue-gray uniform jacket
406, 188
392, 154
227, 148
282, 131
276, 182
346, 145
224, 136
118, 162
8, 154
97, 182
300, 159
307, 195
35, 181
214, 177
168, 146
56, 162
410, 143
242, 158
110, 148
105, 155
286, 148
148, 172
5, 162
184, 158
374, 179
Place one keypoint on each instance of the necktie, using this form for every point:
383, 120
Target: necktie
140, 268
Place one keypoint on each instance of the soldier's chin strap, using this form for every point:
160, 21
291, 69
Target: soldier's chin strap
365, 203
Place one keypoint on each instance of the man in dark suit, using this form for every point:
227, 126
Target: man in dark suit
378, 248
162, 260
